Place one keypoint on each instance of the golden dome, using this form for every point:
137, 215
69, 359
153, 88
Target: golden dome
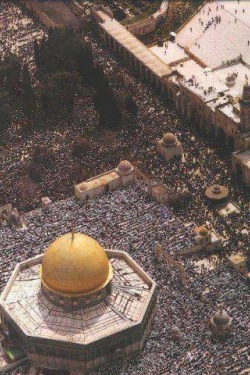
74, 265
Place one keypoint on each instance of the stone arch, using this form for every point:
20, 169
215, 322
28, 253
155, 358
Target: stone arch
184, 105
221, 135
211, 132
116, 352
112, 43
239, 173
230, 142
143, 71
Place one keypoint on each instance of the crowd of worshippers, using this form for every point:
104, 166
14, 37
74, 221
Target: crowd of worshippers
200, 167
18, 32
129, 220
215, 17
135, 220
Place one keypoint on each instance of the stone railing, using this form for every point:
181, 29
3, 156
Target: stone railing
150, 23
227, 63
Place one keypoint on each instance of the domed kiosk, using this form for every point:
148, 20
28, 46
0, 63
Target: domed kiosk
124, 167
78, 306
221, 324
126, 172
169, 146
169, 140
217, 193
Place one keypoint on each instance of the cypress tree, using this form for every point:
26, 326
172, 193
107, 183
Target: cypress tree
27, 93
37, 53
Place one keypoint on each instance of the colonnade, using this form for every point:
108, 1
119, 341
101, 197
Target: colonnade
208, 125
132, 61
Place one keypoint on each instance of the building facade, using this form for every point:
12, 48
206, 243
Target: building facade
122, 176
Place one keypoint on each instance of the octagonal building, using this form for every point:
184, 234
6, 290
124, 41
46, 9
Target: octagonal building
77, 306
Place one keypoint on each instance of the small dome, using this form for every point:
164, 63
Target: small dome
203, 231
75, 264
169, 139
217, 192
217, 189
221, 318
124, 166
176, 330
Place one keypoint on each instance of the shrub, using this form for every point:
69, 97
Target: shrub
43, 155
80, 147
35, 172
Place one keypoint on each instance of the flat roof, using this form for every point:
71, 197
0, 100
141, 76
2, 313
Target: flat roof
228, 209
202, 84
237, 258
160, 189
134, 45
170, 52
196, 79
219, 41
239, 70
228, 110
214, 236
188, 68
58, 12
98, 181
244, 157
216, 102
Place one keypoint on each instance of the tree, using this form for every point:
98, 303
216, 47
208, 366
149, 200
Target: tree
50, 101
80, 147
10, 70
29, 194
37, 53
84, 60
64, 51
100, 81
27, 93
131, 105
43, 156
58, 93
107, 105
119, 14
5, 110
35, 172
